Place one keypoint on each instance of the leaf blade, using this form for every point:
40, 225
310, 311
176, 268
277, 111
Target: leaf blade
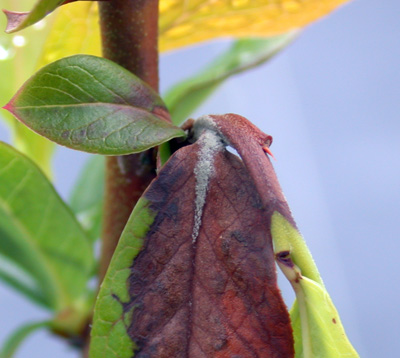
32, 218
183, 98
291, 252
91, 104
190, 258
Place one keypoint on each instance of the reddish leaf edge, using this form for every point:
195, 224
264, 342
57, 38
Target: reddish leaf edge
16, 20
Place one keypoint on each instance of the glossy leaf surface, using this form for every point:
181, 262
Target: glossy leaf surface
88, 195
40, 236
203, 279
91, 104
244, 54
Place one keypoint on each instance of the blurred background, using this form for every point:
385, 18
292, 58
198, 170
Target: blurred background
331, 101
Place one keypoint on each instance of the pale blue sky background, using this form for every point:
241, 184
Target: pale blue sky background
332, 103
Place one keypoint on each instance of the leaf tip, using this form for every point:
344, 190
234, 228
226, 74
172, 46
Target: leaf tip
8, 107
14, 20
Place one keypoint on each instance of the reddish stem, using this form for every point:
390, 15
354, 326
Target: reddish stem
129, 31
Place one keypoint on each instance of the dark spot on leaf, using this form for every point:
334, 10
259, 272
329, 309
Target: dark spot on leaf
334, 320
65, 134
284, 258
239, 237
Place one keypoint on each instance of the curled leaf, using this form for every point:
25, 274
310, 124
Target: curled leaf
317, 328
92, 104
19, 20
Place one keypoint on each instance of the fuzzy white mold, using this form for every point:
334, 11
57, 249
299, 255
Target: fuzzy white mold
210, 144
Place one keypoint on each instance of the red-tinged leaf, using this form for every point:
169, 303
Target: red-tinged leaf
19, 20
204, 282
316, 327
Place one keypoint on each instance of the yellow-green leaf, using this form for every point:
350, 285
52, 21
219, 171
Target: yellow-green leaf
325, 335
317, 329
75, 30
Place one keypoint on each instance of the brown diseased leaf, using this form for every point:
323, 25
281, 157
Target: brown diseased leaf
204, 284
249, 142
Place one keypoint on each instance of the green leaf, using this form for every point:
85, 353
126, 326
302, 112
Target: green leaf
183, 98
88, 196
41, 236
92, 104
15, 340
19, 20
21, 281
317, 329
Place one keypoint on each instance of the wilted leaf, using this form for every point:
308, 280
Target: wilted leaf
88, 195
92, 104
40, 236
183, 98
194, 273
320, 333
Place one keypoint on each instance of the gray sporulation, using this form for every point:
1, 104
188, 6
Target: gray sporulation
207, 123
210, 143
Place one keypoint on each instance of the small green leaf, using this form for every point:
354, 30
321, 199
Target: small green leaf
92, 104
88, 195
317, 329
15, 340
183, 98
41, 236
19, 20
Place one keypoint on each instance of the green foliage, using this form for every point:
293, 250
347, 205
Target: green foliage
87, 196
40, 236
244, 54
92, 104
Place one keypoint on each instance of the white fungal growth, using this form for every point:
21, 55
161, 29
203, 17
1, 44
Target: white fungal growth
210, 144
